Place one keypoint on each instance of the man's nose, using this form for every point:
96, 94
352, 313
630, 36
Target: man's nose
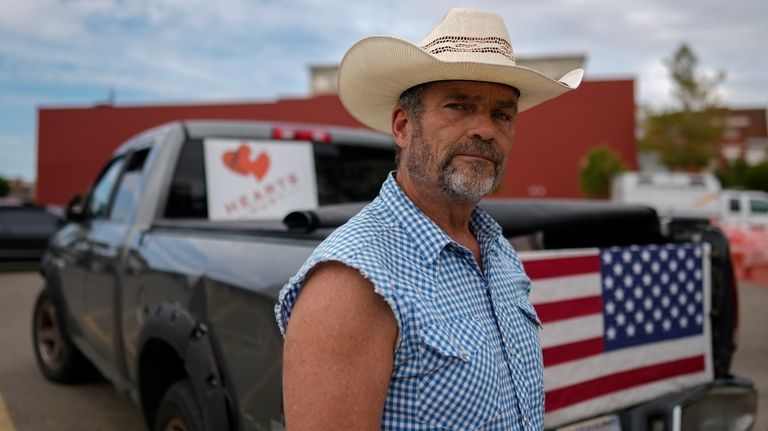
482, 127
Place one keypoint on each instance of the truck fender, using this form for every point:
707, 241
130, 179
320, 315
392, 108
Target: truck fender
191, 339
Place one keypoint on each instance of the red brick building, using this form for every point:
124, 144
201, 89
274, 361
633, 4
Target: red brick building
552, 139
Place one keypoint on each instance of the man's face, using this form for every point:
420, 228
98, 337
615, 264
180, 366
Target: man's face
461, 141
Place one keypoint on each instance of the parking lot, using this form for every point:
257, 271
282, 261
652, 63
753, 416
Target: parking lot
30, 403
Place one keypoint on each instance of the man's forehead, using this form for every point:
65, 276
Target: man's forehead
473, 90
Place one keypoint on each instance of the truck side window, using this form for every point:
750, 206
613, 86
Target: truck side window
348, 173
101, 194
735, 205
758, 206
187, 197
129, 188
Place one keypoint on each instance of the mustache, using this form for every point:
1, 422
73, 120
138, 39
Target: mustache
475, 147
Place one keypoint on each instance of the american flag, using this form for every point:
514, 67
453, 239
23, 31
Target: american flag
620, 325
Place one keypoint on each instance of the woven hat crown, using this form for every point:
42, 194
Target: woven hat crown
465, 35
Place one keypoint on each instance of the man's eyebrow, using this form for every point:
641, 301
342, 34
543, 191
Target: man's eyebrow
463, 97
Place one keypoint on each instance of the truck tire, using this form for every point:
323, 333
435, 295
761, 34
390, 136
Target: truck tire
179, 410
58, 359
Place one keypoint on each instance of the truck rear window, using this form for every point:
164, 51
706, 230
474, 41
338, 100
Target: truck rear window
342, 173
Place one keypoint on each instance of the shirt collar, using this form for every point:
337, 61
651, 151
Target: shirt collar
427, 236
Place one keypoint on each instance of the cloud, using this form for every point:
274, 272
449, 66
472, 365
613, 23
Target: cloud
150, 51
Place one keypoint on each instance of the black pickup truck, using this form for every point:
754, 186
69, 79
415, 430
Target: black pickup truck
165, 276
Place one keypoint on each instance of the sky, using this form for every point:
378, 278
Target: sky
61, 53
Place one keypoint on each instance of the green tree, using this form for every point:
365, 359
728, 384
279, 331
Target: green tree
756, 177
686, 137
5, 187
599, 168
734, 174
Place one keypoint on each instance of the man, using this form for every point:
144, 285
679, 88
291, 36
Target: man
415, 314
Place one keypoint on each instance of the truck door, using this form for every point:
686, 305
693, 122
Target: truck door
76, 251
105, 240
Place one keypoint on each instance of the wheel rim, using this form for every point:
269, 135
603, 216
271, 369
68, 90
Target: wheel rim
175, 424
50, 343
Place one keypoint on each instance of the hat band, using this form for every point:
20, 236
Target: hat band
494, 45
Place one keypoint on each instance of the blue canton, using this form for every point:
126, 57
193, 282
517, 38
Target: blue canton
469, 356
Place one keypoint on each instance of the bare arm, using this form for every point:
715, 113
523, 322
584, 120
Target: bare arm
339, 348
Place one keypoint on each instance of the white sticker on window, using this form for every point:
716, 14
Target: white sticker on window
258, 179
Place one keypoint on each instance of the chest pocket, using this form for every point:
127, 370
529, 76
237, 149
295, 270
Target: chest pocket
458, 385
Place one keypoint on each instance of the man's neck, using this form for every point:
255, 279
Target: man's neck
450, 214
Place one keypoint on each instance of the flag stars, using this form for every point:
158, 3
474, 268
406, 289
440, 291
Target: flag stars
691, 309
647, 280
626, 256
690, 286
645, 256
682, 299
638, 292
657, 314
608, 282
697, 274
674, 311
673, 265
666, 324
683, 322
619, 295
655, 267
637, 268
656, 290
648, 327
630, 330
618, 269
610, 307
628, 280
699, 319
639, 316
611, 333
607, 258
681, 277
663, 255
621, 319
681, 253
648, 304
665, 301
629, 306
673, 288
698, 296
689, 264
664, 278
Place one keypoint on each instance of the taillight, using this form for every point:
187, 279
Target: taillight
291, 134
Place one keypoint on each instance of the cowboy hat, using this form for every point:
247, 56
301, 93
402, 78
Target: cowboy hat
466, 45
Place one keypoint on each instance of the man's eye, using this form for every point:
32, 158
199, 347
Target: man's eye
502, 116
456, 106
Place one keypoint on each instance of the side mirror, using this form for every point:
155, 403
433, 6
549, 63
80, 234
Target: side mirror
75, 209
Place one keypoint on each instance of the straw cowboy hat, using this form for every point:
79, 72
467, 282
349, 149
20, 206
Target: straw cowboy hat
466, 45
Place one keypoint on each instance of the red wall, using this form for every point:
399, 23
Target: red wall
552, 139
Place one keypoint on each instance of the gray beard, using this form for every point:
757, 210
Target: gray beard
455, 183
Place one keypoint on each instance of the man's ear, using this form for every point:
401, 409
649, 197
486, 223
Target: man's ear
401, 127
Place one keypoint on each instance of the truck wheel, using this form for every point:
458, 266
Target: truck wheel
58, 359
179, 410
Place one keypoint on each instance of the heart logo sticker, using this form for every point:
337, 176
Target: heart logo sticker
240, 161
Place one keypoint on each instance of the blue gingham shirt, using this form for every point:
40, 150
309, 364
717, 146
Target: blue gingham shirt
468, 356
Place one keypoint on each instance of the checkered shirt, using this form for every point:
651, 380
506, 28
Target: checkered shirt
469, 356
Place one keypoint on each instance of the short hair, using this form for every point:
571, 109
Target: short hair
410, 101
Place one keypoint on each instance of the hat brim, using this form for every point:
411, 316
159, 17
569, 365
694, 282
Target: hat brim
377, 70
